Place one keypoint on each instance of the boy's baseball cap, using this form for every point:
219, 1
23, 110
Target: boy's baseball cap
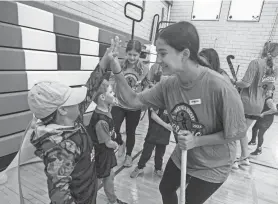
47, 96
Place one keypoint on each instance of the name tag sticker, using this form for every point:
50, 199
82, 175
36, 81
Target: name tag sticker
195, 102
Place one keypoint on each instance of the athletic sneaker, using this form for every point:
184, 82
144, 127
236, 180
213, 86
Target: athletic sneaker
257, 151
136, 172
235, 165
128, 161
159, 172
244, 162
121, 150
252, 143
241, 162
117, 202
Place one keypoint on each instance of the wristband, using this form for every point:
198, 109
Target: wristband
117, 72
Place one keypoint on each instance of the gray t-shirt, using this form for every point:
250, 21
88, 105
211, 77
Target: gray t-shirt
209, 105
132, 76
253, 97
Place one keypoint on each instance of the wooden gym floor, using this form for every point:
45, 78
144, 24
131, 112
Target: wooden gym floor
258, 184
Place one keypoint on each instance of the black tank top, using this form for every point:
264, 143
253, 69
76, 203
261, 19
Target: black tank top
105, 157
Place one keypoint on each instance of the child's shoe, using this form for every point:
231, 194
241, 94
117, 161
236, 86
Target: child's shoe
136, 172
235, 165
251, 143
128, 161
257, 151
244, 162
241, 162
159, 172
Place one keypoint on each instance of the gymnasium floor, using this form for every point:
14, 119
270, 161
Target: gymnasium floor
255, 185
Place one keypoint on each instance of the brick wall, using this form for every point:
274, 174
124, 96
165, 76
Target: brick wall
244, 40
111, 13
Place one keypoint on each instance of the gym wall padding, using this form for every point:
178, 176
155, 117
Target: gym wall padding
37, 45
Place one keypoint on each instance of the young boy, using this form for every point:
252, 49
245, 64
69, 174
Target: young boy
61, 140
158, 135
101, 130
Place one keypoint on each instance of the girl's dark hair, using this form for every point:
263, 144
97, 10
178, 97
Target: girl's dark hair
269, 47
134, 45
137, 46
213, 59
183, 35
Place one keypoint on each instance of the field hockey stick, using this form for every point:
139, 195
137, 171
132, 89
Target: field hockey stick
237, 70
183, 175
228, 58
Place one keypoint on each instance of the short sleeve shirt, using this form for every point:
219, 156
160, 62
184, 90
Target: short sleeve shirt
209, 105
253, 97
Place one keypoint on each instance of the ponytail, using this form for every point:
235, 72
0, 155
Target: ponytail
201, 62
269, 63
269, 47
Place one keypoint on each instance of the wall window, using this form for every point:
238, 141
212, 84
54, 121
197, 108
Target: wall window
245, 10
206, 10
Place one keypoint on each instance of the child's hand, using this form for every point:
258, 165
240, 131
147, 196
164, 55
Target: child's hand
116, 145
113, 50
261, 115
169, 127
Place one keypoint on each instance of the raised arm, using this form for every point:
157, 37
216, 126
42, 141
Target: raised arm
94, 79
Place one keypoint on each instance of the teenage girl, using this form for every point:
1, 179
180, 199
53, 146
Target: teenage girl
134, 72
205, 111
264, 122
210, 56
259, 77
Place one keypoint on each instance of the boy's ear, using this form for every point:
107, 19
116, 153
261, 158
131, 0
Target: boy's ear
62, 111
102, 97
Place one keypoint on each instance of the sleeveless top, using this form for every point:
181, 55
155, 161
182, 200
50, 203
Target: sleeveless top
105, 157
268, 117
158, 134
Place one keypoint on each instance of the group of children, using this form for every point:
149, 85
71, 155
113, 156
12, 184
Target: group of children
77, 158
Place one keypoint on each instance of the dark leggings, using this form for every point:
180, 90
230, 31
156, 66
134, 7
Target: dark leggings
132, 120
197, 190
147, 153
259, 129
